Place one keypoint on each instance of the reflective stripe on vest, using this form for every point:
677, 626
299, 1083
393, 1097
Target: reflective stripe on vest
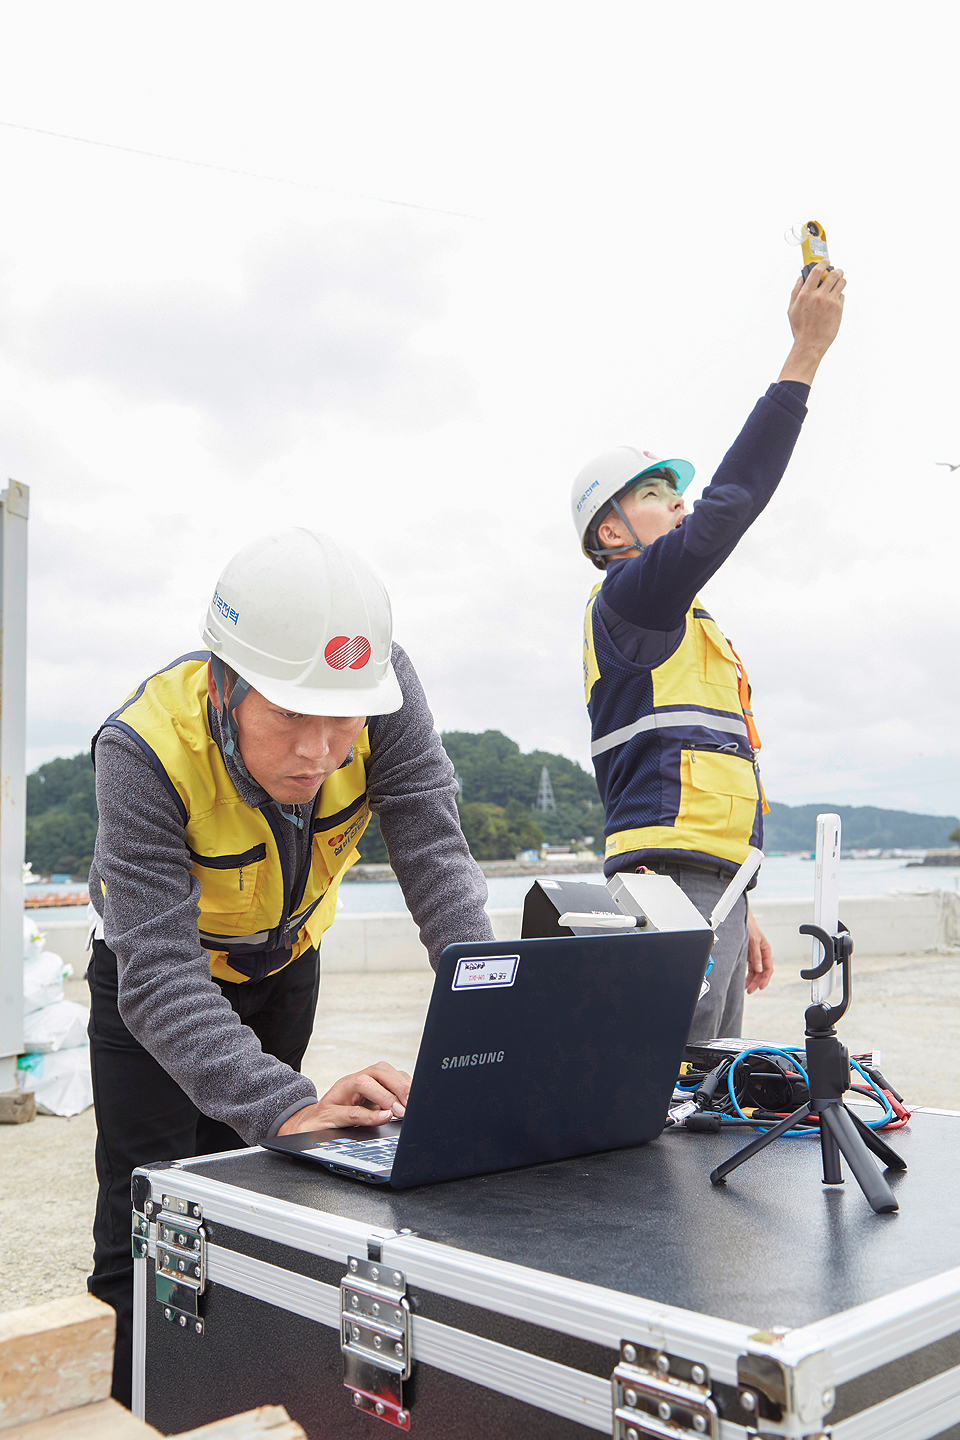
251, 922
671, 720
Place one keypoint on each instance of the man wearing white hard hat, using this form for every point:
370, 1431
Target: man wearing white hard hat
674, 742
233, 787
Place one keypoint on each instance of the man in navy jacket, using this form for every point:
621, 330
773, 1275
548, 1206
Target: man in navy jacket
674, 742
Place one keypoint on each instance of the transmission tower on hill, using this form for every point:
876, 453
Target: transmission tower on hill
545, 800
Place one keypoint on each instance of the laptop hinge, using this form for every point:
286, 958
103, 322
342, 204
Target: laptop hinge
661, 1395
375, 1338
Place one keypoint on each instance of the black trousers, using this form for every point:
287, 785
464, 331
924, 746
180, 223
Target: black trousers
143, 1115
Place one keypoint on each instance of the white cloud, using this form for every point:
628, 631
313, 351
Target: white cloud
321, 322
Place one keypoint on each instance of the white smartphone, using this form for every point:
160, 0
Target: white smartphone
826, 897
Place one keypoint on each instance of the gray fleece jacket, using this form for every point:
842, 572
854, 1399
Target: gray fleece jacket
167, 997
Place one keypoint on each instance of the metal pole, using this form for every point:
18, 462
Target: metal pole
14, 511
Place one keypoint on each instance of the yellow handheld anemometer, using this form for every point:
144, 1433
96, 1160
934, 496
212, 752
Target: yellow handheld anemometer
811, 235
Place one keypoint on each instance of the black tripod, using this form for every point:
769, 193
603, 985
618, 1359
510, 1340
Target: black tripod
828, 1070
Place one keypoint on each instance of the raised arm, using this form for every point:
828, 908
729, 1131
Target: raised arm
655, 588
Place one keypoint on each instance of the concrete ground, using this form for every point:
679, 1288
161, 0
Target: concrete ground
908, 1007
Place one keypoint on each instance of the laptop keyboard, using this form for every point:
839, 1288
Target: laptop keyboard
374, 1152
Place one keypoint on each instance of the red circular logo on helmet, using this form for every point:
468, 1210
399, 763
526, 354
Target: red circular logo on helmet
342, 652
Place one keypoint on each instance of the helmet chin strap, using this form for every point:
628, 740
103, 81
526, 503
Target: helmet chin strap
607, 554
231, 735
227, 707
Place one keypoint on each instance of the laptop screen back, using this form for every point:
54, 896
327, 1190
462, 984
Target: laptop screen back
537, 1050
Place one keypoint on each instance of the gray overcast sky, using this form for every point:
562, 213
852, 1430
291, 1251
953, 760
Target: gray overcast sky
189, 357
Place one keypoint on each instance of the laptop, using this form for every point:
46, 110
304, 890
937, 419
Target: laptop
532, 1050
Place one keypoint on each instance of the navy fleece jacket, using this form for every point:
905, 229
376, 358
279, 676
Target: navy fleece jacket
643, 601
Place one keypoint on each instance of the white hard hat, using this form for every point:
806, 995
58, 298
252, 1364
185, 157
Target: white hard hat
307, 623
604, 479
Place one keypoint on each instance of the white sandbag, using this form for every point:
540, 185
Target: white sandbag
56, 1027
33, 940
60, 1082
43, 977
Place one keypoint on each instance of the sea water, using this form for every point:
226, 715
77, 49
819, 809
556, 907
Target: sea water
782, 877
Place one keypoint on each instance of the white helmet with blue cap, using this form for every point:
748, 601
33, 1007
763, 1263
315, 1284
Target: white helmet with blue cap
601, 484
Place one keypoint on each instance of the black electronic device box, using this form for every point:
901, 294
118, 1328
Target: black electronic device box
547, 900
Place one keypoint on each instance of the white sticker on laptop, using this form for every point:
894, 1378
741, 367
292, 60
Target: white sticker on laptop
486, 974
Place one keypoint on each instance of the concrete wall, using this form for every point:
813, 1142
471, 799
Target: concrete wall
880, 925
355, 943
886, 925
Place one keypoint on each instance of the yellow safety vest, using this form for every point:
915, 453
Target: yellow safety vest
674, 746
250, 923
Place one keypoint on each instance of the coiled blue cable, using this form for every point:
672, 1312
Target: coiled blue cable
791, 1057
792, 1060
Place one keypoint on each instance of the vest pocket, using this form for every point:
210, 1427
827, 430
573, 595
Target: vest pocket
719, 793
715, 658
230, 886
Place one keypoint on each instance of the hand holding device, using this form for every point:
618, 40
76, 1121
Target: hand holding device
815, 311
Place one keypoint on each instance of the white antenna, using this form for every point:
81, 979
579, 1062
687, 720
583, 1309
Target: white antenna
582, 918
736, 887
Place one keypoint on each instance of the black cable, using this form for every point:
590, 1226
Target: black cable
232, 170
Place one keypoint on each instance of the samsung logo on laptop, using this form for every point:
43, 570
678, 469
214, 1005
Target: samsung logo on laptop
454, 1062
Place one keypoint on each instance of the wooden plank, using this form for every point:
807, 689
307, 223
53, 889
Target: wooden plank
268, 1422
106, 1420
103, 1420
54, 1357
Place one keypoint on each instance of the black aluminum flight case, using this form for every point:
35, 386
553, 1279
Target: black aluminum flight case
618, 1294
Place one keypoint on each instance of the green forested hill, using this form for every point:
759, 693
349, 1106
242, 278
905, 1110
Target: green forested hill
62, 816
499, 788
496, 777
863, 827
494, 771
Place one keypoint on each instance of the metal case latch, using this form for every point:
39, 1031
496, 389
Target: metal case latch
375, 1339
797, 1395
139, 1236
660, 1395
181, 1263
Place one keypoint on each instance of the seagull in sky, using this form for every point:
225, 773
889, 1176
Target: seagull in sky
950, 467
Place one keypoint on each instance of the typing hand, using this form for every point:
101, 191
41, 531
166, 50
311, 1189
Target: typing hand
372, 1096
